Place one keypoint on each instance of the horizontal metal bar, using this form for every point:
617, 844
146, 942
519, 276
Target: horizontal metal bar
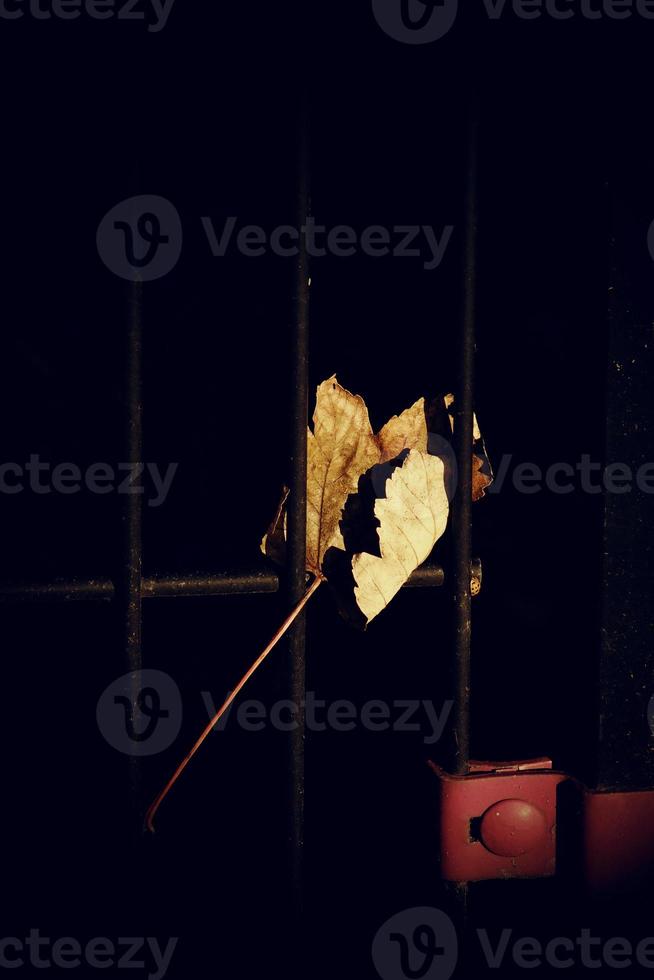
172, 586
225, 583
427, 576
56, 591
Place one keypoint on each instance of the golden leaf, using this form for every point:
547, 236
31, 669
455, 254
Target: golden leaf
405, 431
412, 517
341, 448
390, 522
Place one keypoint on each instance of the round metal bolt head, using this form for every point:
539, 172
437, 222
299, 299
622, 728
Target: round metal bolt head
512, 827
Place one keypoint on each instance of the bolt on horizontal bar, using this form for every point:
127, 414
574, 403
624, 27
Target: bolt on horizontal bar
172, 586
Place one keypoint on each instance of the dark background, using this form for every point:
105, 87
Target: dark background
204, 114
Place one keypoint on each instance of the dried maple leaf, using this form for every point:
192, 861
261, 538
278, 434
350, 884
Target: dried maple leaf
412, 517
341, 448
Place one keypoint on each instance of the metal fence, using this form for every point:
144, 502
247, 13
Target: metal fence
128, 590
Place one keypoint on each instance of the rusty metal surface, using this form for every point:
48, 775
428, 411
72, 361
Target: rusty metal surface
253, 582
625, 741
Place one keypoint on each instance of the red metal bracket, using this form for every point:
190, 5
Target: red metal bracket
501, 821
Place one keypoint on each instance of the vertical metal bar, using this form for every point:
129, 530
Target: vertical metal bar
625, 734
298, 516
462, 505
463, 434
130, 588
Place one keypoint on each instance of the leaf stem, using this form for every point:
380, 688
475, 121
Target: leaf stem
286, 625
